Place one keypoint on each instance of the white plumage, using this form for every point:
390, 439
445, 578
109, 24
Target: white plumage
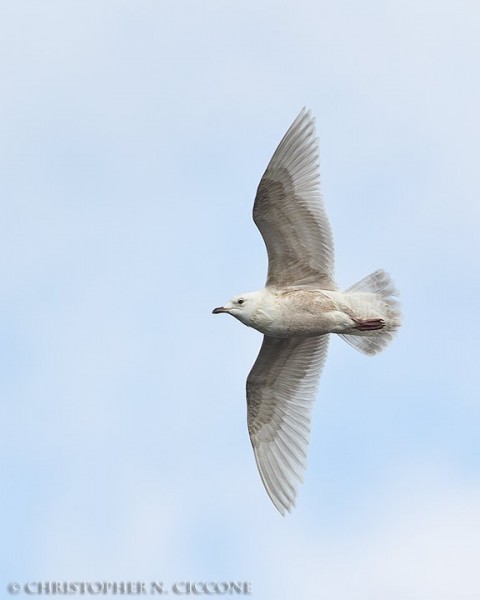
299, 306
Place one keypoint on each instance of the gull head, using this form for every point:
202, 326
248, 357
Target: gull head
242, 307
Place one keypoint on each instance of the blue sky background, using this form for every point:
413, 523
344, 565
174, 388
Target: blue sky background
132, 138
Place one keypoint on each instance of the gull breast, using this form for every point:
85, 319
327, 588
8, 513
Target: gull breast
296, 313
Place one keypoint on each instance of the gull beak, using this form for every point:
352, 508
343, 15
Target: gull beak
219, 310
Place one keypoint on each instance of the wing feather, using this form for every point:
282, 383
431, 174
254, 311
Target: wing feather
290, 214
281, 389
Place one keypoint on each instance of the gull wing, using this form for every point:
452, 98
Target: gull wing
281, 389
290, 214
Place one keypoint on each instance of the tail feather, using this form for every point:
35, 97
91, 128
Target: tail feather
374, 296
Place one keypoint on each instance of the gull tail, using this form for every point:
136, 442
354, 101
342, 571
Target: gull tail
372, 299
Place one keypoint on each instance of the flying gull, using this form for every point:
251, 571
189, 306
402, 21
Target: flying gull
297, 309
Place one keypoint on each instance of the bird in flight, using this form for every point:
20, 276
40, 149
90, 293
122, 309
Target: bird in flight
297, 309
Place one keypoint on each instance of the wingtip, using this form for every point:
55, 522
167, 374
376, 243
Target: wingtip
282, 498
305, 114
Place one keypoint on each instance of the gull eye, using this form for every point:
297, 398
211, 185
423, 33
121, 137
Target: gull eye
241, 301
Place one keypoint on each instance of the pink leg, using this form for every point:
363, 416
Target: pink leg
369, 324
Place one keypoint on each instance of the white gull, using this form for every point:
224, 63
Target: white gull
299, 306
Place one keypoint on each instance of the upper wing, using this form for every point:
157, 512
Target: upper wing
290, 214
281, 389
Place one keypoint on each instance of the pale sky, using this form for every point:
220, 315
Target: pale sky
132, 138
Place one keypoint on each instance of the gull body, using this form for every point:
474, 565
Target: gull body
298, 308
306, 312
